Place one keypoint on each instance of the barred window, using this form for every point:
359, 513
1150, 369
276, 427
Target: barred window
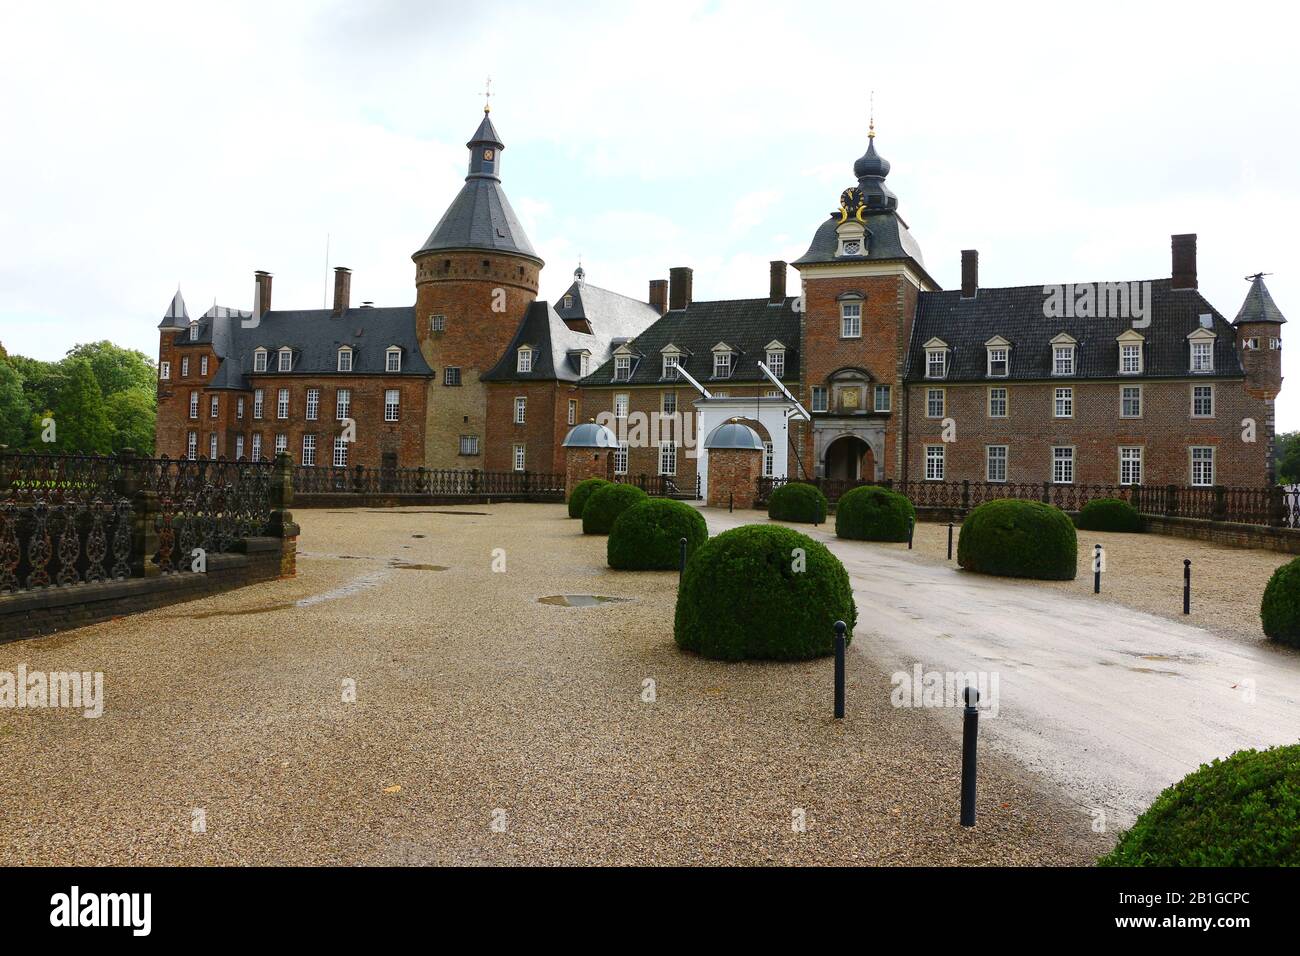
451, 375
469, 444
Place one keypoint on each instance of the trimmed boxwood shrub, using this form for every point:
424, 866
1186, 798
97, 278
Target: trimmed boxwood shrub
797, 501
747, 595
1279, 611
648, 536
606, 503
1019, 539
1243, 811
1109, 514
581, 492
873, 513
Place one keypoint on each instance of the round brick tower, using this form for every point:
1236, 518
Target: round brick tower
474, 279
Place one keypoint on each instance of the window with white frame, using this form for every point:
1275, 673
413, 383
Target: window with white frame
1202, 465
995, 463
309, 450
393, 360
1274, 343
1202, 401
185, 367
850, 320
1063, 465
882, 398
776, 362
621, 400
1064, 406
524, 360
819, 398
282, 403
1202, 356
212, 446
934, 403
769, 459
620, 459
1130, 401
997, 402
239, 408
584, 364
1063, 360
521, 408
622, 368
340, 459
936, 363
342, 404
1130, 358
999, 361
668, 403
573, 411
257, 446
934, 462
469, 444
1251, 343
281, 443
1130, 465
313, 404
192, 445
437, 323
392, 404
203, 365
214, 407
239, 448
345, 359
194, 404
164, 370
258, 400
286, 360
722, 365
259, 360
519, 456
670, 366
451, 375
194, 331
667, 458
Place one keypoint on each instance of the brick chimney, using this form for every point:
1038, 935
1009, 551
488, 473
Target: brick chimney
342, 290
262, 292
659, 295
680, 279
1184, 271
776, 283
970, 273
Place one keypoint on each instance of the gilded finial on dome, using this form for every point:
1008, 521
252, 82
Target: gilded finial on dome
871, 117
487, 96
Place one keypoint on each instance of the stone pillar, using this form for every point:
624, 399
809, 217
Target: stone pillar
584, 463
733, 476
145, 512
282, 525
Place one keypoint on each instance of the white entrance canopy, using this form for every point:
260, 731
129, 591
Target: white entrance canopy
773, 414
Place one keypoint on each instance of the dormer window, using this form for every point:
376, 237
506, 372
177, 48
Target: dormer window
722, 365
393, 360
936, 359
1130, 353
194, 331
584, 364
1063, 355
622, 368
345, 359
568, 302
776, 361
524, 360
286, 360
259, 360
671, 359
999, 357
1201, 344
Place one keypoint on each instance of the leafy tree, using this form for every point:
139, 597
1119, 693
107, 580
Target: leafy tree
1287, 451
82, 425
132, 414
14, 410
116, 369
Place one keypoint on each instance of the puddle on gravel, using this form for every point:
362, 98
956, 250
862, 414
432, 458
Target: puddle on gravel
363, 583
408, 566
580, 600
485, 514
417, 536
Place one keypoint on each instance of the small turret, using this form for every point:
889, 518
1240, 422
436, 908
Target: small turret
1259, 339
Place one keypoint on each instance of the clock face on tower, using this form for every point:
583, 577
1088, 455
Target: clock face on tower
851, 198
489, 154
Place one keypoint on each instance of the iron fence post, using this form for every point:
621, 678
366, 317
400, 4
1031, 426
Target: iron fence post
1187, 585
1096, 569
949, 540
969, 735
840, 630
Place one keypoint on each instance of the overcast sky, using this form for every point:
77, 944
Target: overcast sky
151, 145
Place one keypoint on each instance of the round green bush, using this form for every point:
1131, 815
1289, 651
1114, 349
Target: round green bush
605, 504
1243, 811
797, 501
648, 536
1019, 539
762, 592
1279, 612
581, 492
873, 513
1109, 514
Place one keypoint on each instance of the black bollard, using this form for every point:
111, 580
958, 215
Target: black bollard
1187, 585
839, 668
1096, 570
681, 564
949, 540
911, 530
969, 731
731, 501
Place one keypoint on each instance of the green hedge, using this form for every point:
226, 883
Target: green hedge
1019, 539
747, 594
605, 505
1109, 514
873, 513
648, 536
1279, 611
1243, 811
581, 492
797, 501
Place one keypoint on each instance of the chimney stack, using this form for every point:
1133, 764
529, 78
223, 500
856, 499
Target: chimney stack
1184, 271
680, 279
261, 292
970, 273
776, 285
659, 295
342, 290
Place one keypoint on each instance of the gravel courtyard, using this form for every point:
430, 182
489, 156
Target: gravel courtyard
488, 728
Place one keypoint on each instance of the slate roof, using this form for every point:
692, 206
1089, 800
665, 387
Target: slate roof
480, 217
887, 238
612, 318
177, 316
1016, 314
1258, 307
746, 325
315, 336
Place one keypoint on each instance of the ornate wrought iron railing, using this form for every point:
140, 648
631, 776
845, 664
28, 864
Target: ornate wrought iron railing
434, 482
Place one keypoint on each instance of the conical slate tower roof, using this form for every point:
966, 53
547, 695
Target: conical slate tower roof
176, 316
480, 217
1259, 305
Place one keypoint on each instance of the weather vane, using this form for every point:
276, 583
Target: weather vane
487, 96
871, 117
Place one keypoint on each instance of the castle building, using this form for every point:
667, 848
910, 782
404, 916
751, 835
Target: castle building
871, 371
